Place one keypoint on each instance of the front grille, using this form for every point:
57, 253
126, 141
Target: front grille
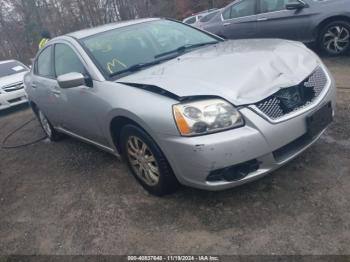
13, 87
294, 98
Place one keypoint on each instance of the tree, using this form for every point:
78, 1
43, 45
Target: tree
21, 21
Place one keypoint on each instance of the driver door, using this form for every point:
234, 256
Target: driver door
78, 105
275, 21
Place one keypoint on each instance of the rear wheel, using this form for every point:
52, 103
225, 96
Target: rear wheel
334, 38
146, 161
50, 132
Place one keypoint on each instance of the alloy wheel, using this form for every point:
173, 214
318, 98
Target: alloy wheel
337, 39
142, 161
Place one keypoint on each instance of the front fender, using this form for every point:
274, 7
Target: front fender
151, 111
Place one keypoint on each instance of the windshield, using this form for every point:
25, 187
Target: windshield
143, 44
11, 68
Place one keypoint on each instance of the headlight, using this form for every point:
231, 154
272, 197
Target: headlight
206, 116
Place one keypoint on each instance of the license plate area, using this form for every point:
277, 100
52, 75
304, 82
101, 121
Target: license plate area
319, 120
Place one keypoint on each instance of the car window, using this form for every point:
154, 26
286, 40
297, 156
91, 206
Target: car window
67, 61
267, 6
44, 63
118, 49
190, 20
241, 9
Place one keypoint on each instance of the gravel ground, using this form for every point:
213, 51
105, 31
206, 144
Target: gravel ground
71, 198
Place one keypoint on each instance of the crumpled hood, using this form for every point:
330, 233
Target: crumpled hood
241, 71
12, 79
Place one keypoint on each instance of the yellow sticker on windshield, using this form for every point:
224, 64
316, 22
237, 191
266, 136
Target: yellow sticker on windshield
113, 64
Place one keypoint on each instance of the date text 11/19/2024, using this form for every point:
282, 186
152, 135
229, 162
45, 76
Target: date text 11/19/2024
173, 258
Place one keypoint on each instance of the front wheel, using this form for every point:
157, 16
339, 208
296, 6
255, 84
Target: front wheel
334, 38
146, 161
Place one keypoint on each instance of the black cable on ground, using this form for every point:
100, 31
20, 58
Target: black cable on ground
3, 146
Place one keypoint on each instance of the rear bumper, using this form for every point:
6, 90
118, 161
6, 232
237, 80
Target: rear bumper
14, 98
271, 144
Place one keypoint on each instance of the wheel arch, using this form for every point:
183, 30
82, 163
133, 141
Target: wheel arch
116, 126
118, 122
329, 20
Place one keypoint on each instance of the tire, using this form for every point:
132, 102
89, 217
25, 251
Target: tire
47, 127
155, 176
334, 38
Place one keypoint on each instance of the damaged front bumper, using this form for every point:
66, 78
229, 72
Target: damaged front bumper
253, 151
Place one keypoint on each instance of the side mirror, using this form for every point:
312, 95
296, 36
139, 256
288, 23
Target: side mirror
295, 6
71, 80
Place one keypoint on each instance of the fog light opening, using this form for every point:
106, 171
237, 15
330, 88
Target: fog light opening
234, 173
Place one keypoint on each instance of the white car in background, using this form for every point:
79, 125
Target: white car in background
12, 91
207, 18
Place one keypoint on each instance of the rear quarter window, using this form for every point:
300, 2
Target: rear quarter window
208, 17
191, 20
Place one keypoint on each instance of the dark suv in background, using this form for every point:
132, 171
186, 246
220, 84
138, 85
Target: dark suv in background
325, 22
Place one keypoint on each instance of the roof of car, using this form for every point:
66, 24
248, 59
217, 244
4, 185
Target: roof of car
100, 29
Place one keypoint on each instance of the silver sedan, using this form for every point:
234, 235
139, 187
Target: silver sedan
180, 105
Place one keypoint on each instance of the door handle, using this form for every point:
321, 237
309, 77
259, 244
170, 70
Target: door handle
227, 24
34, 85
262, 19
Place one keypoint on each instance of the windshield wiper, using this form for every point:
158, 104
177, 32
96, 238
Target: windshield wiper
184, 48
137, 67
180, 50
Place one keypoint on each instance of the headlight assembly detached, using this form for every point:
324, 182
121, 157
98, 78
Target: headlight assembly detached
206, 116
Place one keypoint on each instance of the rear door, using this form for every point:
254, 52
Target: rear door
275, 21
43, 83
239, 20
